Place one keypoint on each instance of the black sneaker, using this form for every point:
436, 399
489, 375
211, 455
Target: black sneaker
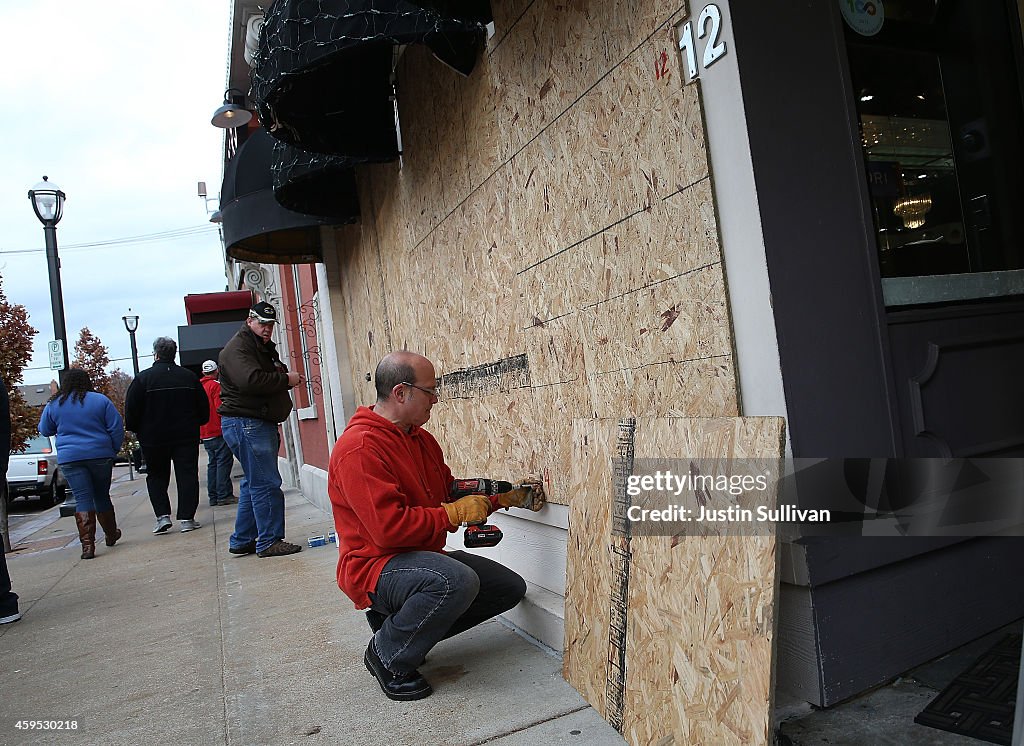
249, 548
279, 548
398, 686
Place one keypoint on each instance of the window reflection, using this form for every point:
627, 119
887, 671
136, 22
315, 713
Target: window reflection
939, 107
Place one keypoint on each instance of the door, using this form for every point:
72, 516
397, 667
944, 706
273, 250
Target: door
888, 161
937, 94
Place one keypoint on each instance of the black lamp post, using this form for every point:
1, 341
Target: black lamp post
48, 203
131, 323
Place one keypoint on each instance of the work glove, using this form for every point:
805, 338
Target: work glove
468, 510
529, 495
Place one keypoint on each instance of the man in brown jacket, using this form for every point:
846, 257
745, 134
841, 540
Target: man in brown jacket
254, 399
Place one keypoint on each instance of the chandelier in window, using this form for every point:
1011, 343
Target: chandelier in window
911, 210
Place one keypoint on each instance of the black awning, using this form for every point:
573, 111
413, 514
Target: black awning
200, 342
322, 76
256, 228
315, 183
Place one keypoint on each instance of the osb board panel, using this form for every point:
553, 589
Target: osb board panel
486, 151
612, 199
699, 619
512, 434
557, 51
677, 235
588, 571
685, 318
692, 388
556, 352
506, 14
366, 317
632, 140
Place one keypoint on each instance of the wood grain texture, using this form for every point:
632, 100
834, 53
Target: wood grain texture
701, 610
556, 203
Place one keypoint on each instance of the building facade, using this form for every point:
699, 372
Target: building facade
624, 231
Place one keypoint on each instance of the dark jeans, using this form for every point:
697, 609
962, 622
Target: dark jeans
186, 473
429, 596
218, 469
89, 481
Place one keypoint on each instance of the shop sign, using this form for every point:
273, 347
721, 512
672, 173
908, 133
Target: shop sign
863, 16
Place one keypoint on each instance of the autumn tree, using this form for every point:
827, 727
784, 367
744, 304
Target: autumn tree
15, 352
117, 390
91, 355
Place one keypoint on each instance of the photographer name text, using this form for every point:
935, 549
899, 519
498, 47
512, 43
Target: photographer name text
732, 514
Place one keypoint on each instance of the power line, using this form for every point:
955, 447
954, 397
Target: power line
169, 235
47, 367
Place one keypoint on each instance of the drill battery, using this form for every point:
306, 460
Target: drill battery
482, 535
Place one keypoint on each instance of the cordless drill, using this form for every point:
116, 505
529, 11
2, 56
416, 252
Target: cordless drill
482, 534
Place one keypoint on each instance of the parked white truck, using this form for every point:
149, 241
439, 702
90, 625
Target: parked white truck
34, 471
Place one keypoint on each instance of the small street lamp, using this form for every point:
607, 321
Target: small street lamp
48, 204
131, 323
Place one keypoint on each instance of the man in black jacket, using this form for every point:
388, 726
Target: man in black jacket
254, 386
164, 406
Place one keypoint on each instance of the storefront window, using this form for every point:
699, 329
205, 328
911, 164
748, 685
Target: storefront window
939, 106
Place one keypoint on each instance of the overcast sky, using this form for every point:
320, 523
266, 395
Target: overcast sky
113, 102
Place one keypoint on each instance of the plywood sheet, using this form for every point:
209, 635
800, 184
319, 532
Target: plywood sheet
698, 623
594, 251
631, 140
677, 235
685, 318
692, 388
512, 434
591, 560
556, 52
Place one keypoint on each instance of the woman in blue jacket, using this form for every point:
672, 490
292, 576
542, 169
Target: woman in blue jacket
89, 433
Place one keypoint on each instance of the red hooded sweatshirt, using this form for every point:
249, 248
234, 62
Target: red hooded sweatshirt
386, 488
212, 427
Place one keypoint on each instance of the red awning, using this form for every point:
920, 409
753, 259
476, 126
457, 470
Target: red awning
213, 302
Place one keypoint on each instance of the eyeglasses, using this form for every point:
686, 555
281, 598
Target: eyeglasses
429, 392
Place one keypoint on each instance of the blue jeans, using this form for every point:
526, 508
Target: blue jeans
260, 500
429, 596
89, 480
218, 470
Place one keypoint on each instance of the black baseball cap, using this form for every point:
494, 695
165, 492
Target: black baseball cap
264, 312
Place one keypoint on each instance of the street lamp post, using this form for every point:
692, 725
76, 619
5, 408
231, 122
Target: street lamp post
48, 204
131, 323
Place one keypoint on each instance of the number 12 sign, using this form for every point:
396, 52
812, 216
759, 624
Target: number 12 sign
714, 49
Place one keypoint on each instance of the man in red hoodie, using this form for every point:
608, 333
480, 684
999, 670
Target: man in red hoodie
218, 470
389, 488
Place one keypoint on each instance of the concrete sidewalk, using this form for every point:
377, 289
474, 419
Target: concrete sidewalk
171, 639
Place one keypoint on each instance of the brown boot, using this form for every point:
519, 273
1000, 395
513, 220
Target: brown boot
108, 521
87, 533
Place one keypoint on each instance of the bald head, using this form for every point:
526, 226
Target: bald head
396, 367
